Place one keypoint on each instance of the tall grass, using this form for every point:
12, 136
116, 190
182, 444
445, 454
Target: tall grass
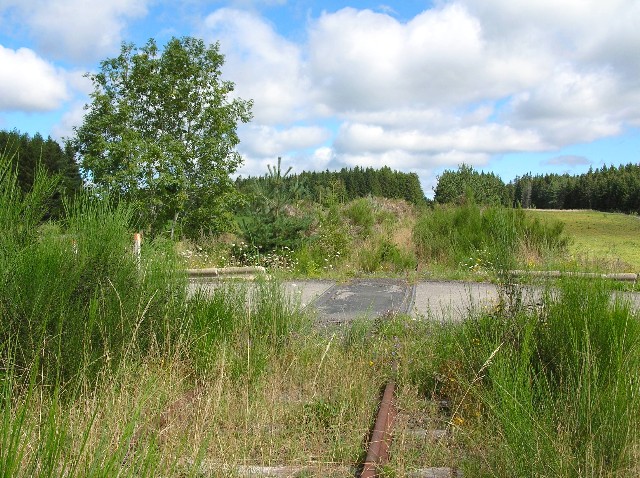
82, 320
72, 294
560, 394
495, 238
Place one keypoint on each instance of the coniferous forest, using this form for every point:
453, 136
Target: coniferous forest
349, 183
608, 189
28, 153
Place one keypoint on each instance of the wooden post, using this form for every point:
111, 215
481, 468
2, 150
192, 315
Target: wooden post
137, 245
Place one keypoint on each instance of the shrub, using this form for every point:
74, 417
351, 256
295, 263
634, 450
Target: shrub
72, 295
384, 254
558, 386
468, 235
360, 213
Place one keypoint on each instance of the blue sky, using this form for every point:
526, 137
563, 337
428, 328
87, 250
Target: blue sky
508, 86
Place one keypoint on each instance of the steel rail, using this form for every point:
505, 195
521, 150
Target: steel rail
378, 452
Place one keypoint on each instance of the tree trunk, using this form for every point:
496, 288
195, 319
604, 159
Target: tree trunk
173, 224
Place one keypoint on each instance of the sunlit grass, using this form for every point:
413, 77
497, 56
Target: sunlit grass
109, 368
550, 391
600, 240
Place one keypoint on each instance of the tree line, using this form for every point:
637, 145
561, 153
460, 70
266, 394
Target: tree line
347, 184
609, 189
27, 153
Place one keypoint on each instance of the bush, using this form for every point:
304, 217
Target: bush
72, 295
557, 386
267, 233
326, 246
360, 213
469, 236
383, 254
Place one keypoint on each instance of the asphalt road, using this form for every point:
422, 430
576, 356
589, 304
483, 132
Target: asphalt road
336, 303
433, 300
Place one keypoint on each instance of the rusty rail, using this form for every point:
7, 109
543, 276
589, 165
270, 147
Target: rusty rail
622, 276
226, 272
378, 453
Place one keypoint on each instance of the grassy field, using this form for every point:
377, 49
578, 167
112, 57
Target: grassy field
109, 368
600, 240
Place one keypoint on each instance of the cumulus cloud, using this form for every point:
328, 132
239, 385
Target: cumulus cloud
265, 66
73, 117
589, 76
261, 145
462, 81
489, 138
365, 60
29, 83
82, 30
571, 107
267, 141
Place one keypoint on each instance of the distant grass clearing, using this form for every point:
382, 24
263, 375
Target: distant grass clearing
600, 240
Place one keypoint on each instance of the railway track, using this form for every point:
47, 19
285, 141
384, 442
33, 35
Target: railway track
337, 306
381, 443
380, 448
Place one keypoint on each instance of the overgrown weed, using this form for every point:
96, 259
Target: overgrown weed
489, 239
555, 384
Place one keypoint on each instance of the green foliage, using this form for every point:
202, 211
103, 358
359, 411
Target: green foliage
273, 233
615, 189
161, 131
220, 322
274, 222
327, 187
28, 153
78, 288
484, 188
386, 255
491, 238
559, 383
73, 295
78, 310
600, 242
360, 213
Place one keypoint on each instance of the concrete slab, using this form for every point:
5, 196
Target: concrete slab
363, 298
427, 300
305, 292
451, 300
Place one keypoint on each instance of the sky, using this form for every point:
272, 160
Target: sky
506, 86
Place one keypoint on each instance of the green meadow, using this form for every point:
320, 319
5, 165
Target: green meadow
599, 240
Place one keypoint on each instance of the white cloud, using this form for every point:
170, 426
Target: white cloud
299, 146
489, 138
564, 74
71, 118
463, 81
269, 142
591, 40
78, 29
567, 160
367, 61
571, 107
265, 66
322, 158
29, 83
